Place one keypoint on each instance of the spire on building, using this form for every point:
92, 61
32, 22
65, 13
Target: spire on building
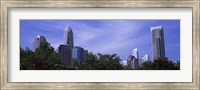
66, 48
68, 37
68, 28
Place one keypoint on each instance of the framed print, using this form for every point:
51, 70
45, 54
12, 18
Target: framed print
76, 44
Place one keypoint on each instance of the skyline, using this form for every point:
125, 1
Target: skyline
105, 36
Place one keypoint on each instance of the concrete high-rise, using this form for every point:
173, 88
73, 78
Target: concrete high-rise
66, 48
39, 40
144, 58
132, 62
136, 55
158, 45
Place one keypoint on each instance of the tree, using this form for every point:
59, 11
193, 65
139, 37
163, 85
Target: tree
75, 64
44, 58
26, 59
147, 65
177, 65
89, 63
126, 67
160, 64
101, 62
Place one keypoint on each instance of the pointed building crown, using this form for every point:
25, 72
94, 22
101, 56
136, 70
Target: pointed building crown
156, 28
68, 28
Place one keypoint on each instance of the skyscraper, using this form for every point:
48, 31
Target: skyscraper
66, 57
39, 40
66, 48
68, 37
132, 62
157, 38
78, 54
144, 58
136, 55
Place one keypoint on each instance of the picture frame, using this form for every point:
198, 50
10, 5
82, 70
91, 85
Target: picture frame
7, 4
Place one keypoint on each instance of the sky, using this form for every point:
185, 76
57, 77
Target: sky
105, 36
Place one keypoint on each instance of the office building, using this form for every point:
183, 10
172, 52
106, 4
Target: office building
68, 37
66, 55
132, 62
144, 58
78, 54
157, 38
66, 48
136, 55
38, 41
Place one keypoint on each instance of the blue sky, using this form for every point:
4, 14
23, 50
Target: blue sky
105, 36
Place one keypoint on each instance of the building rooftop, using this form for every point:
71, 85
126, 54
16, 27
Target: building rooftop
38, 36
68, 28
156, 28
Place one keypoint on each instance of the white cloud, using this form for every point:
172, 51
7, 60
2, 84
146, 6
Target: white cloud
111, 36
84, 36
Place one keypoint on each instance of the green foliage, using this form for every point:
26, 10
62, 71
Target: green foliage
75, 64
127, 68
177, 65
101, 62
147, 65
160, 64
44, 58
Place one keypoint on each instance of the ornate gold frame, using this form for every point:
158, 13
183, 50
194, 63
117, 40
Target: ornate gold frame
6, 4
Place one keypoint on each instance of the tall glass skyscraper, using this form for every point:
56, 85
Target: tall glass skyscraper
158, 45
78, 54
66, 48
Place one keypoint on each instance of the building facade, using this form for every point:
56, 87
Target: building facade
38, 41
68, 37
78, 54
66, 55
66, 48
144, 58
136, 55
157, 40
132, 62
